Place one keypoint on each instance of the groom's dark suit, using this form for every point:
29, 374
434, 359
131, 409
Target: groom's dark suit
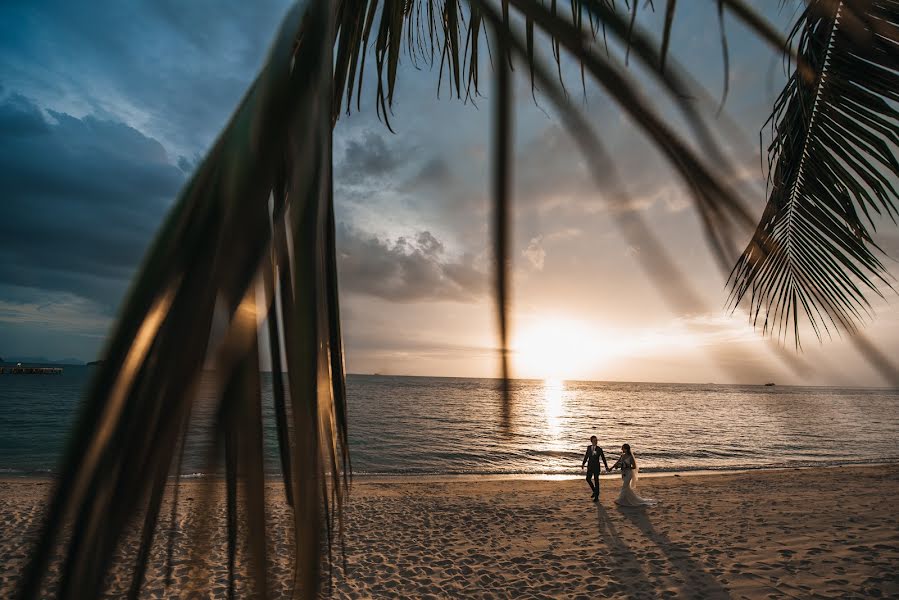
591, 458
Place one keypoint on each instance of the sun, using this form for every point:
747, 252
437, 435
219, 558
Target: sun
556, 348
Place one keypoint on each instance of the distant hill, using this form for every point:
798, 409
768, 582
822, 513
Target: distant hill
43, 360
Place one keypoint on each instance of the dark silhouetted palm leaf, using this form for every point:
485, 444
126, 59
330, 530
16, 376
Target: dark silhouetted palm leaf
831, 165
257, 214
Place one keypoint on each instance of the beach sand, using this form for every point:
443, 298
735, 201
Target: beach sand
827, 533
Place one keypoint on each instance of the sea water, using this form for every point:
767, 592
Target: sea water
441, 426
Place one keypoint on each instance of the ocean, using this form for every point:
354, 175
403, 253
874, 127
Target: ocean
451, 426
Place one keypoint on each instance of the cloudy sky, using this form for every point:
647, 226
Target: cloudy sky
106, 109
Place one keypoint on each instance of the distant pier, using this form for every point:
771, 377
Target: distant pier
20, 370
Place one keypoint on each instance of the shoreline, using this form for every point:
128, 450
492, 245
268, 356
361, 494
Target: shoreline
475, 477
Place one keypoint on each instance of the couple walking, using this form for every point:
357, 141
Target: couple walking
627, 462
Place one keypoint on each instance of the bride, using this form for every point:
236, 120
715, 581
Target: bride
628, 465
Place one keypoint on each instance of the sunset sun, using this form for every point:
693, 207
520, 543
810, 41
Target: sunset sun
556, 348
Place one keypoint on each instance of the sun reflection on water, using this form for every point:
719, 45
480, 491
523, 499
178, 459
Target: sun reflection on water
553, 393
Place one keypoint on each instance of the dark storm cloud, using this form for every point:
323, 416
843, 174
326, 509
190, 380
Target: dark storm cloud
406, 269
434, 172
81, 200
20, 118
188, 165
177, 67
367, 156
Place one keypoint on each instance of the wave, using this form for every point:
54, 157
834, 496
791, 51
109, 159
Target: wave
23, 472
525, 473
649, 470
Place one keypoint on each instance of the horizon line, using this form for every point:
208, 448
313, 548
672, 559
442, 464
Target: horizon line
562, 379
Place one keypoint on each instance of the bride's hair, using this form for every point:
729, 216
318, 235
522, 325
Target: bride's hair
627, 450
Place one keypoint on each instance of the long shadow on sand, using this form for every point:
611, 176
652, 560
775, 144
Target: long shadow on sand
699, 582
627, 573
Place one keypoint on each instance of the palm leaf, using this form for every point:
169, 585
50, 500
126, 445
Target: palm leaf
501, 184
831, 165
265, 179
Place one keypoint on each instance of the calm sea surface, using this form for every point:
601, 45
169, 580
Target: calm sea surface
424, 425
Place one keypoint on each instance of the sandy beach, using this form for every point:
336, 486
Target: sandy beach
826, 533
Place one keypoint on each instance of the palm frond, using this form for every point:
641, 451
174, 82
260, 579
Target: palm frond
670, 8
266, 179
831, 165
501, 219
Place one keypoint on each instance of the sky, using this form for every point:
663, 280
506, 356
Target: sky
106, 108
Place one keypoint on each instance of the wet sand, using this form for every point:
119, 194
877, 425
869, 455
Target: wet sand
826, 533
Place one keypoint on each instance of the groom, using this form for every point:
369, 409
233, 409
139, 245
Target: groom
591, 459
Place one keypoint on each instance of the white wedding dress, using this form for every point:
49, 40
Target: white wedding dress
628, 495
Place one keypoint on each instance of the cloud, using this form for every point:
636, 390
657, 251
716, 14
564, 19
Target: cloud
535, 252
82, 199
20, 118
171, 68
406, 269
187, 165
715, 328
555, 181
368, 156
536, 248
434, 172
51, 310
385, 342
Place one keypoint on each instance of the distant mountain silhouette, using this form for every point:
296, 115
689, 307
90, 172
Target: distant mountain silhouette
43, 360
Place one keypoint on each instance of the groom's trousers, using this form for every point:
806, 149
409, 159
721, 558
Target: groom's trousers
593, 476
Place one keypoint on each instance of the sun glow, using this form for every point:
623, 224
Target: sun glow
557, 349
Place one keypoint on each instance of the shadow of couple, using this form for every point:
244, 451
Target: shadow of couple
696, 580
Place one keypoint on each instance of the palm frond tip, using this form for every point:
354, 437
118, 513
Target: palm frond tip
831, 169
